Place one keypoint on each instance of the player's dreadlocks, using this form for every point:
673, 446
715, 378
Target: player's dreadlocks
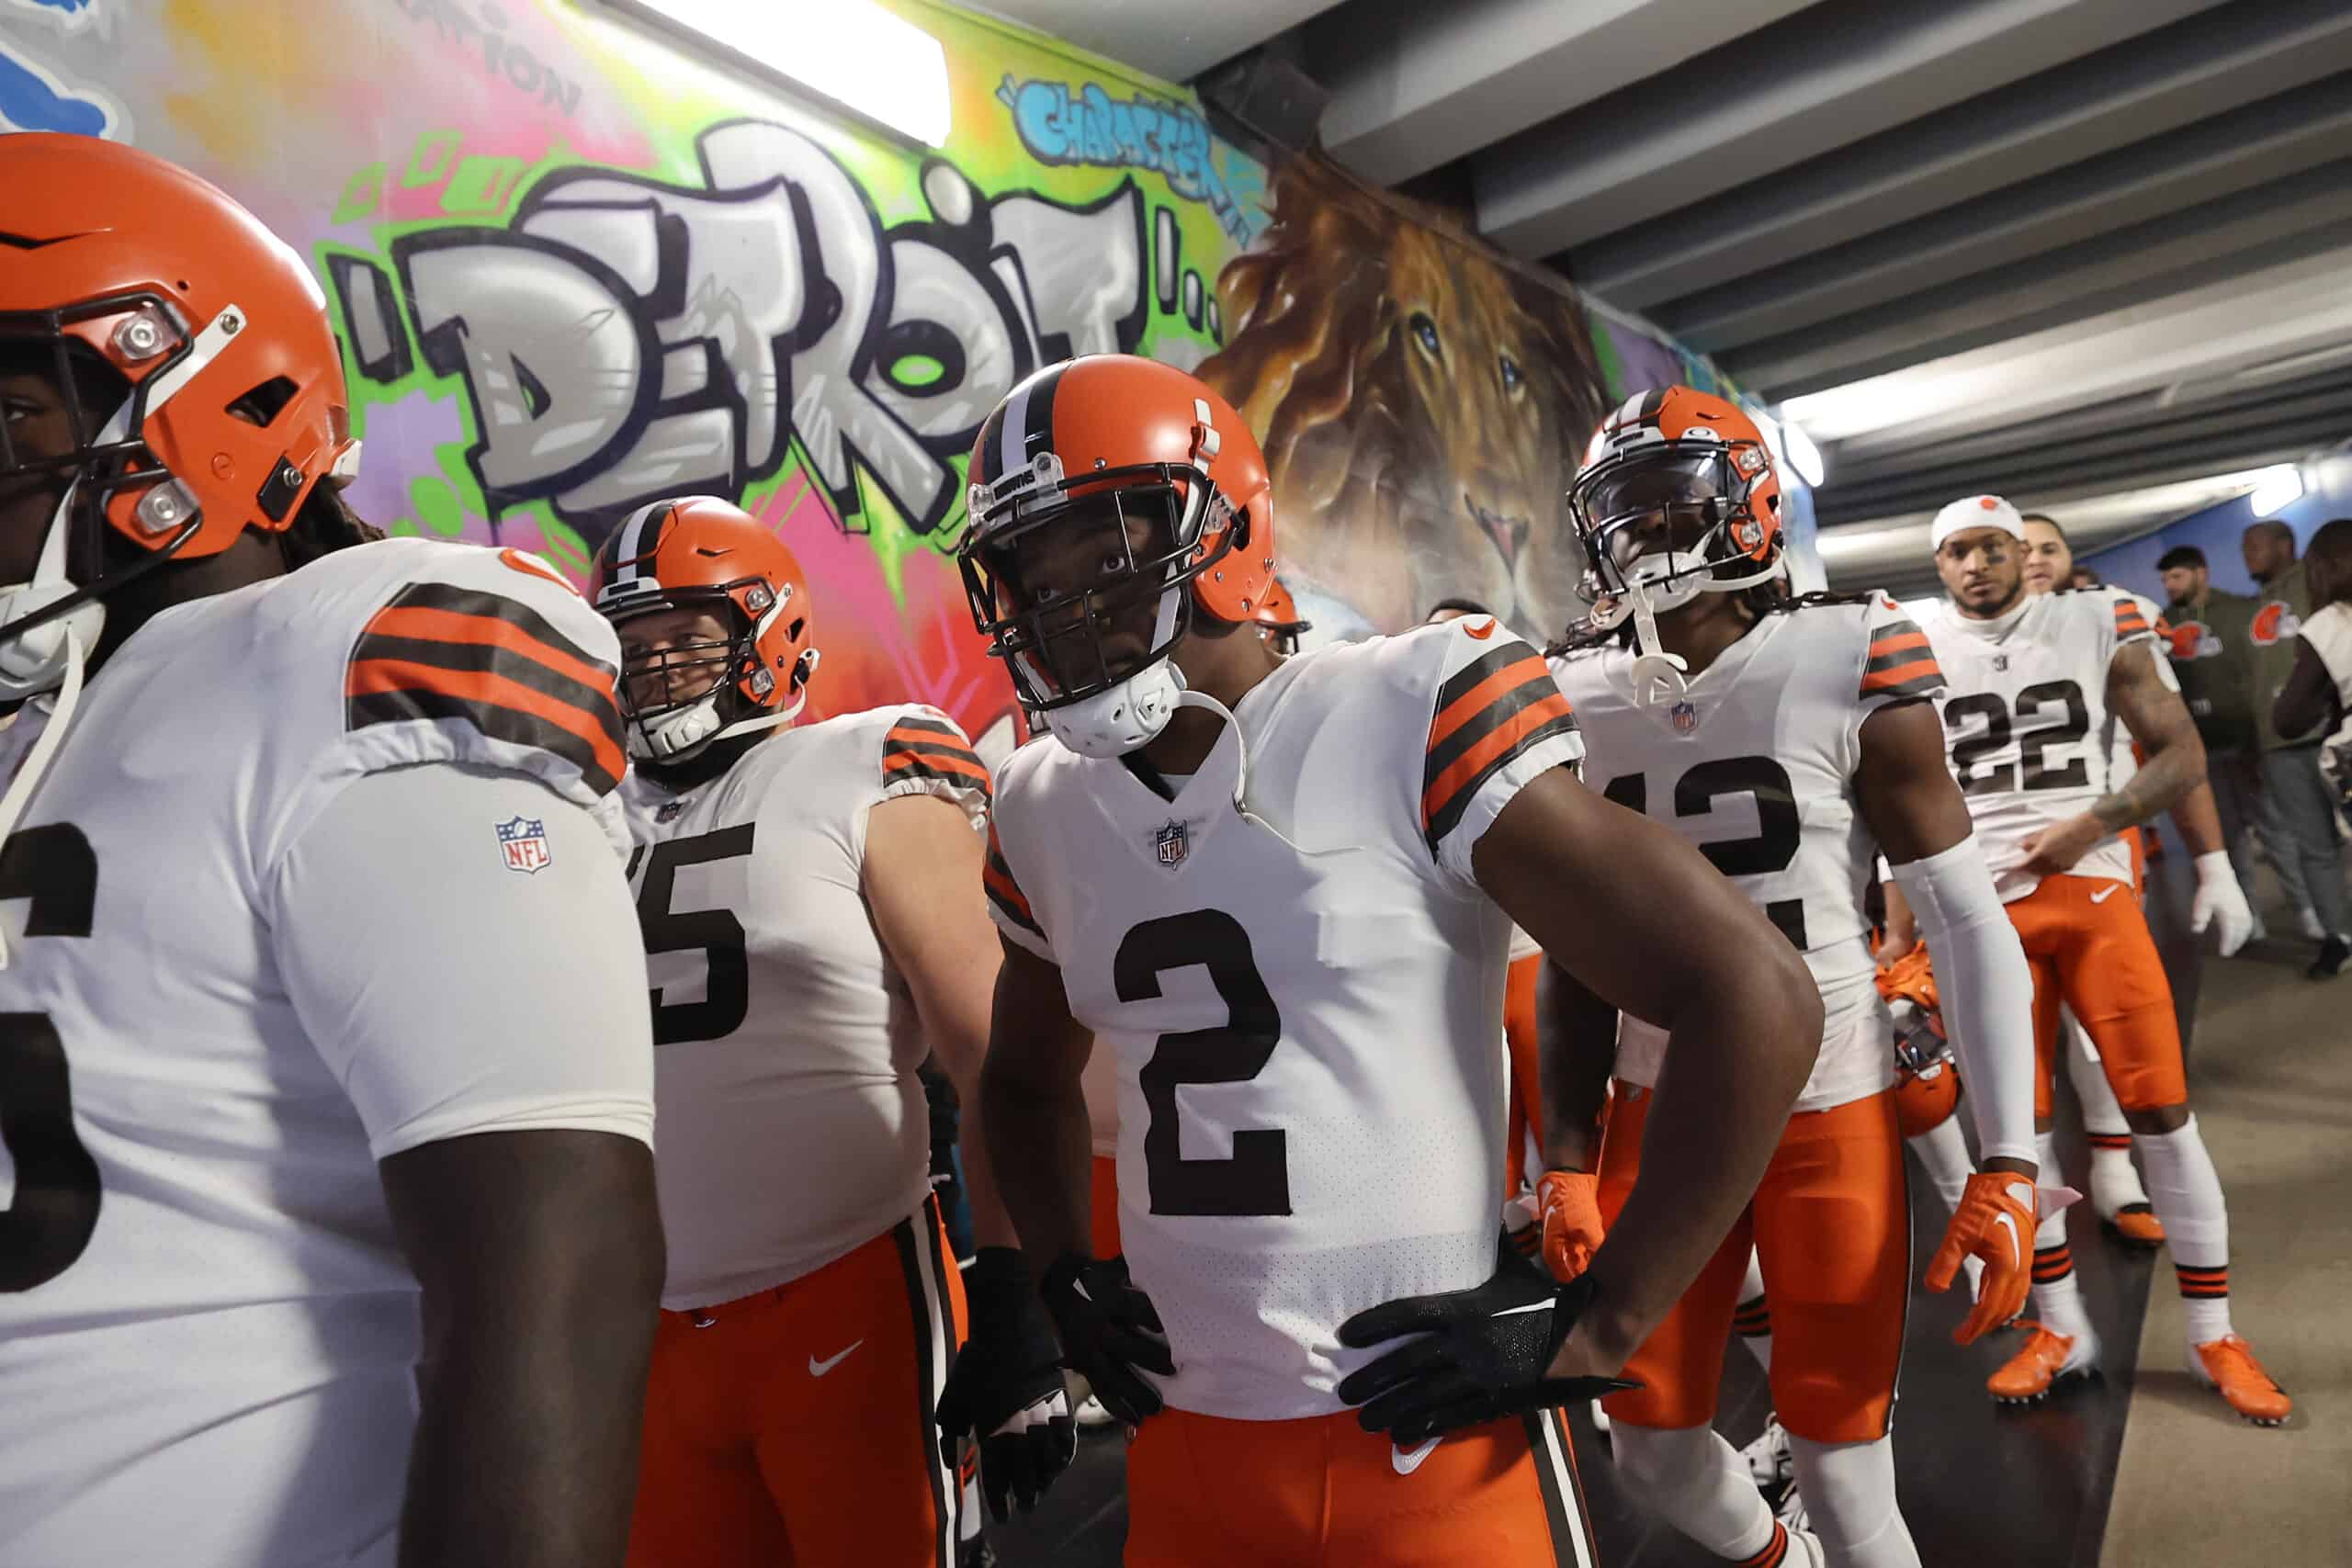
323, 525
1764, 599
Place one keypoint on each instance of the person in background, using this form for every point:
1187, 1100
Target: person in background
2211, 659
2319, 692
2297, 817
2115, 1191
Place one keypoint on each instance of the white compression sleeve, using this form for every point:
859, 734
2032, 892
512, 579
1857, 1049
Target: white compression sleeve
1986, 990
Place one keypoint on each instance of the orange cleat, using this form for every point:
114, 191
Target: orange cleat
2228, 1364
2136, 1224
2046, 1359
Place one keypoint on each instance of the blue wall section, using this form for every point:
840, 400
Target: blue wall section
2216, 531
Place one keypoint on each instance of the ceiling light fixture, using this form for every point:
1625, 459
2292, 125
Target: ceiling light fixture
1803, 456
869, 61
2276, 487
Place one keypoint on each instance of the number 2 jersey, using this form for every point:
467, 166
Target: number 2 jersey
794, 1126
324, 870
1754, 765
2026, 722
1303, 992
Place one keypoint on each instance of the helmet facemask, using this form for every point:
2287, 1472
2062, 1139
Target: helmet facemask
1086, 596
1662, 525
679, 697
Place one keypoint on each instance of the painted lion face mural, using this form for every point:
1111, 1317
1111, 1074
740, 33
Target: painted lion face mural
1422, 407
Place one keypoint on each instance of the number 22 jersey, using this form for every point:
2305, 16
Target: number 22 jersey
2024, 709
1753, 766
1303, 992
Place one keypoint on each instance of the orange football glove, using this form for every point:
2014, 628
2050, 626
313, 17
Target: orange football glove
1570, 1202
1995, 1221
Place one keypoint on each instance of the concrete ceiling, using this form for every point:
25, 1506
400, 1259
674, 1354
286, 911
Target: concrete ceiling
2082, 252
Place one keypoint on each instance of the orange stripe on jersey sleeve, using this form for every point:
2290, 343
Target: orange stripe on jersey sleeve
1900, 663
438, 652
1492, 710
2129, 621
996, 877
926, 749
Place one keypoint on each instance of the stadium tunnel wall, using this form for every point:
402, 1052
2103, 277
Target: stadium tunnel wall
575, 266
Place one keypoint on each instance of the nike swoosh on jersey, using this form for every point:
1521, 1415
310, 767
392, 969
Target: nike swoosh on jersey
1409, 1461
817, 1369
2101, 895
1482, 633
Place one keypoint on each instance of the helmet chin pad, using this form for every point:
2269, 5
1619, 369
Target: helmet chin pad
1123, 717
672, 736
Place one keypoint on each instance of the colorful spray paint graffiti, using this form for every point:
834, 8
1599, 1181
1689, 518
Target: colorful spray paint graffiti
576, 268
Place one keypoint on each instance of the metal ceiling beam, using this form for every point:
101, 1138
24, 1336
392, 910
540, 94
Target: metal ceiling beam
1887, 468
2055, 464
2305, 215
1414, 86
2151, 183
2195, 69
1827, 77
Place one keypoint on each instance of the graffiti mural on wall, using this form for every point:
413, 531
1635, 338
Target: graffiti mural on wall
1062, 124
39, 95
621, 338
1422, 407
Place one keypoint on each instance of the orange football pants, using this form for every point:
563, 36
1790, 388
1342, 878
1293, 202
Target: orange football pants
1526, 1083
1831, 1226
1323, 1493
795, 1426
2088, 944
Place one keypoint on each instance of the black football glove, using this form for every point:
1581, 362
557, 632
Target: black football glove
1480, 1354
1006, 1389
1108, 1329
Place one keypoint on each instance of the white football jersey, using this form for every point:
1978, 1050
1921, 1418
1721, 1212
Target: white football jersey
207, 1333
1302, 986
794, 1127
1754, 765
18, 732
2025, 720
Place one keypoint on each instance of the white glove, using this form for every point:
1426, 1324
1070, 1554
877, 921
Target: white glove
2219, 897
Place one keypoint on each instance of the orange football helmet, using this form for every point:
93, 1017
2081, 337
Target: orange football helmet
699, 552
204, 336
1926, 1085
1278, 614
1677, 496
1113, 498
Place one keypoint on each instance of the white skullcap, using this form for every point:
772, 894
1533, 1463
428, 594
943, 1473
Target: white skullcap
1975, 512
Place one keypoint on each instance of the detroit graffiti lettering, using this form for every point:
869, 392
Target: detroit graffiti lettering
621, 338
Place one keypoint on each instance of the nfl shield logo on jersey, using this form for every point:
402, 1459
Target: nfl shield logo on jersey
669, 811
524, 842
1170, 842
1685, 716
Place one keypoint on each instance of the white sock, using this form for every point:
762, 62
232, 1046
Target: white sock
2187, 1195
1944, 1151
1692, 1478
1849, 1503
2057, 1295
1751, 1320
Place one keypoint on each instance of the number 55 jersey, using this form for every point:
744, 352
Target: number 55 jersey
1302, 984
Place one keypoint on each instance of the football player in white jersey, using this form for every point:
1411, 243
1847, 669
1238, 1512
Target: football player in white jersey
811, 900
2030, 682
1787, 741
2117, 1195
1280, 892
331, 1234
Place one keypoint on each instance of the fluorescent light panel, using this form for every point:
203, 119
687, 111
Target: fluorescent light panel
852, 51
